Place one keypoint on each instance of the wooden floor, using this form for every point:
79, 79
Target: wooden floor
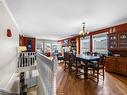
67, 84
32, 90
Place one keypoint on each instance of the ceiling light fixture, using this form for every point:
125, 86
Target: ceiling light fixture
83, 32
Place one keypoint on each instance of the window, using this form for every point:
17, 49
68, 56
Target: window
54, 48
100, 43
85, 44
47, 45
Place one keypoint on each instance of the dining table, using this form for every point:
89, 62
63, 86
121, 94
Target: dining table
86, 59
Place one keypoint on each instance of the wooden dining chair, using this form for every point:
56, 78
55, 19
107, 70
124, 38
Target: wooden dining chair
96, 67
72, 62
88, 53
76, 66
66, 61
95, 53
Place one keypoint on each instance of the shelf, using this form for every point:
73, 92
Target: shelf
112, 41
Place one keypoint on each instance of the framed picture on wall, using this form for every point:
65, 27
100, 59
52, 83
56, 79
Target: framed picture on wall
29, 44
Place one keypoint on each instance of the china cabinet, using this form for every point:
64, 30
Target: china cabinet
122, 37
117, 41
112, 41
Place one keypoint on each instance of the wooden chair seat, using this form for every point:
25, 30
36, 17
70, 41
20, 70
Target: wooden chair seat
95, 66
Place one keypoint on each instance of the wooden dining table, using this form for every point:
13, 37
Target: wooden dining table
86, 59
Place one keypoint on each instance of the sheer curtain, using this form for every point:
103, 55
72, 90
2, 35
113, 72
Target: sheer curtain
85, 44
100, 43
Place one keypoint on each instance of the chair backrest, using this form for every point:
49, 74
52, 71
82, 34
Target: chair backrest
66, 56
101, 60
95, 53
72, 58
87, 53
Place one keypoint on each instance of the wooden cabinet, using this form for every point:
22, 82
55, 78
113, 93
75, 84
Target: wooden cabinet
112, 41
122, 40
117, 41
71, 44
121, 66
117, 65
110, 64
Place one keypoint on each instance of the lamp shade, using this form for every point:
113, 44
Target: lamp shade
21, 48
81, 33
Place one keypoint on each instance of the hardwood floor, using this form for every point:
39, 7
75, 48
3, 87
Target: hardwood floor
67, 84
32, 90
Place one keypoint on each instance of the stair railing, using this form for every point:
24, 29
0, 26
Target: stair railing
26, 59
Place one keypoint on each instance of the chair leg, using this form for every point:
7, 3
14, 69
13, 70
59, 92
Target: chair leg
103, 74
69, 67
93, 71
85, 72
65, 67
76, 72
97, 76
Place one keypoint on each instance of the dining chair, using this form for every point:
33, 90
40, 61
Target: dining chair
95, 53
60, 57
72, 62
66, 61
96, 67
76, 66
88, 53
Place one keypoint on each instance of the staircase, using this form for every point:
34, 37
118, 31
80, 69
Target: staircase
26, 64
26, 61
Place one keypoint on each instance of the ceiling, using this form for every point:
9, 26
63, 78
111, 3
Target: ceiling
57, 19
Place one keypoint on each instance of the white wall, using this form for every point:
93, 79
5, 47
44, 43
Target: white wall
8, 53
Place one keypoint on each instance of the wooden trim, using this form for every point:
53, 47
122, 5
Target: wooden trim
78, 45
91, 43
